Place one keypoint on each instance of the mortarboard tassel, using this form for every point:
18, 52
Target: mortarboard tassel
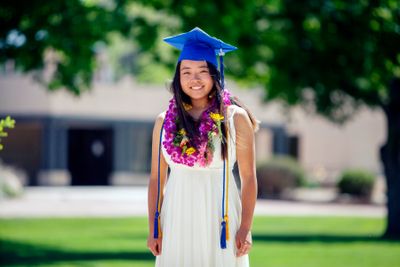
157, 225
227, 227
223, 234
221, 67
223, 222
225, 186
226, 218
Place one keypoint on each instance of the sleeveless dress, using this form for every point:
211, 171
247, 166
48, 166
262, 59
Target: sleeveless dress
191, 212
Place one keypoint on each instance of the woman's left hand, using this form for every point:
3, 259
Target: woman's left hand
244, 242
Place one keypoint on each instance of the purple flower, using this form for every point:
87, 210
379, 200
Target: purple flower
203, 154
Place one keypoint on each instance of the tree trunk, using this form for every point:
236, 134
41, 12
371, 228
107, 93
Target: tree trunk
390, 156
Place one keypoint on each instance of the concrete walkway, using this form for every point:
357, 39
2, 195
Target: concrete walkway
132, 201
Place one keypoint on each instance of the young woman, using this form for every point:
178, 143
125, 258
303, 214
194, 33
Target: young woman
197, 216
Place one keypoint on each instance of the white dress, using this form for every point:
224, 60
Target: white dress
192, 209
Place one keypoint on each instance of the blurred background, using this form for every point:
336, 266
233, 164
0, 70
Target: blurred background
83, 81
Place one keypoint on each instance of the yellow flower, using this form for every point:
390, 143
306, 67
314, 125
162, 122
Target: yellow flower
216, 117
182, 131
190, 151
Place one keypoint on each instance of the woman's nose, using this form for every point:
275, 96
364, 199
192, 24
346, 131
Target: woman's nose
196, 76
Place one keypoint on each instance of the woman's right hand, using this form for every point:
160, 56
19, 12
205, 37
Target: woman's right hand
154, 245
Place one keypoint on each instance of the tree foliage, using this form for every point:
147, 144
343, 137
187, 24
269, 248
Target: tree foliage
8, 122
70, 28
329, 55
76, 31
346, 51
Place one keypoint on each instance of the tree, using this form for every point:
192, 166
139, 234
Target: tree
331, 56
338, 55
70, 28
74, 31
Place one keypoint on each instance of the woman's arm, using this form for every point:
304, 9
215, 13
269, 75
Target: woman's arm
155, 244
245, 155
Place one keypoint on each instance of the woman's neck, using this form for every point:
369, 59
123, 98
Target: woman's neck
200, 104
198, 107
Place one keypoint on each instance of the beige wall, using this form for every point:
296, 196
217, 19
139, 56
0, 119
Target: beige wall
323, 146
124, 100
353, 145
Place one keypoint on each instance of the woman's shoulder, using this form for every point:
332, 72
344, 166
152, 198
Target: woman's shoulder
160, 117
240, 117
159, 121
235, 111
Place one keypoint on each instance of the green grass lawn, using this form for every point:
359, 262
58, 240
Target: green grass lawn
278, 242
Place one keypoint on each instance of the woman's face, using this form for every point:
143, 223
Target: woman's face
196, 80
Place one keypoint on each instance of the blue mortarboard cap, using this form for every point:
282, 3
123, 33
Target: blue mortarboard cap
198, 45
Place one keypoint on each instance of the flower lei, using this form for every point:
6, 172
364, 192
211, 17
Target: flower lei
201, 149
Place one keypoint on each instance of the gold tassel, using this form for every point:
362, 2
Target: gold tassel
159, 227
227, 185
227, 226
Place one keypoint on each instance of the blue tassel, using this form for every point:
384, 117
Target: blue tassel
223, 235
156, 231
156, 225
221, 68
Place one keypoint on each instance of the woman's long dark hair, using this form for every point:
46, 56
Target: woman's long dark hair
186, 121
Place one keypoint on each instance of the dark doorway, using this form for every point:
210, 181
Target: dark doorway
90, 156
23, 148
294, 146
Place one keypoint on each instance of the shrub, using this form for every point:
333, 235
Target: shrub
277, 175
10, 182
358, 183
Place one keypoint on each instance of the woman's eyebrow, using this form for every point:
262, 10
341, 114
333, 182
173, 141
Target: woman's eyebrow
200, 67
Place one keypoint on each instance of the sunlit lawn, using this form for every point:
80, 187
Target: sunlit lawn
278, 242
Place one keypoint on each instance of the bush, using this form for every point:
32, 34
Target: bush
11, 184
278, 175
358, 183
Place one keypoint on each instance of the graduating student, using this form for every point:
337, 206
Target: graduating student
197, 215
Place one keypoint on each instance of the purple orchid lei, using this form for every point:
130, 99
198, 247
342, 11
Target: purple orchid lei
201, 149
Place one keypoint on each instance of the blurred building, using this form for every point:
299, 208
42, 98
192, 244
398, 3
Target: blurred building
104, 136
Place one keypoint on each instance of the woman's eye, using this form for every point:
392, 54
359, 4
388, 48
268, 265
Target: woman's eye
186, 73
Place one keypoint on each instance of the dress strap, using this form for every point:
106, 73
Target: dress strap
234, 109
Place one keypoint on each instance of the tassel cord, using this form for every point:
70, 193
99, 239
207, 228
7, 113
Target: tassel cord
221, 68
225, 189
157, 226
